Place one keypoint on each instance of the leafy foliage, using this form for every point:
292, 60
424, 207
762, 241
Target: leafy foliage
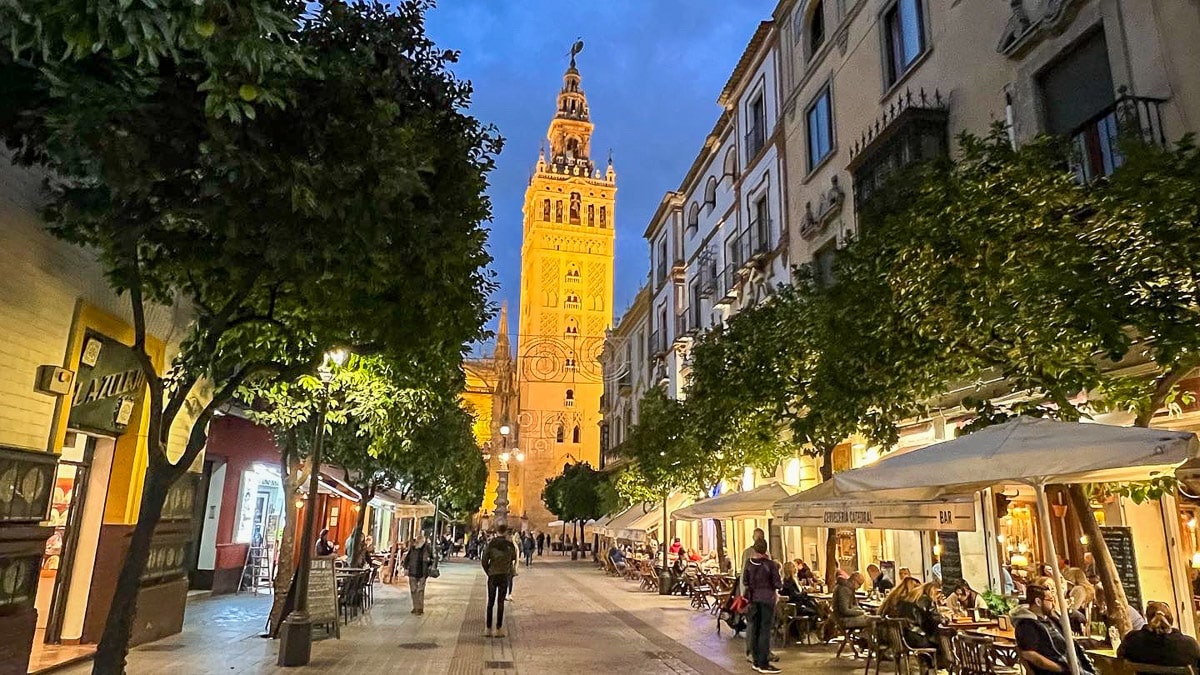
580, 493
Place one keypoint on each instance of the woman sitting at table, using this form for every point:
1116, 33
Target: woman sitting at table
693, 555
908, 587
924, 619
1159, 642
964, 599
804, 573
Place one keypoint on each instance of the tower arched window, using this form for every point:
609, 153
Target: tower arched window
572, 326
546, 210
710, 193
603, 217
693, 221
569, 400
591, 215
558, 211
560, 434
730, 167
576, 203
572, 273
571, 301
575, 434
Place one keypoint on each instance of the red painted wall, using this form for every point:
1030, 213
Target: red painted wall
241, 443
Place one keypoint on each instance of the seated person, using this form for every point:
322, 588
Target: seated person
964, 599
879, 582
804, 573
1040, 642
617, 556
1080, 596
1159, 642
926, 620
676, 547
693, 555
845, 603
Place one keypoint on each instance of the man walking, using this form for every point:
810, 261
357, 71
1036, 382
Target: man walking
541, 541
498, 560
419, 560
527, 547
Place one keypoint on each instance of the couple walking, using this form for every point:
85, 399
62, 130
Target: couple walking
499, 561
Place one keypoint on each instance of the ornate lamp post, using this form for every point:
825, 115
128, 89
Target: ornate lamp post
502, 478
295, 634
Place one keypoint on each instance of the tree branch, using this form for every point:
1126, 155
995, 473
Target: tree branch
1162, 388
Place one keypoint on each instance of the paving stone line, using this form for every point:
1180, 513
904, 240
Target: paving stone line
659, 639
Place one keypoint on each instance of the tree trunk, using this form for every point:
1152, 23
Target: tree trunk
118, 627
831, 559
286, 567
1115, 601
722, 559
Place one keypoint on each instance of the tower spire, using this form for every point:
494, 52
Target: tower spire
570, 132
502, 333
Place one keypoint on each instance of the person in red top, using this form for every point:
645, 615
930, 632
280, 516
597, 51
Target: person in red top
676, 547
762, 584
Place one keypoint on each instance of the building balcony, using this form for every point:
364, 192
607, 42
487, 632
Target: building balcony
1096, 143
756, 138
729, 283
755, 242
686, 325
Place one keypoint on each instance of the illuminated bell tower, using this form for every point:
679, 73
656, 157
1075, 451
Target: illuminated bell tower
566, 299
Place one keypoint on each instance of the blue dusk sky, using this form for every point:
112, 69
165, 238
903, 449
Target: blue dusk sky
652, 70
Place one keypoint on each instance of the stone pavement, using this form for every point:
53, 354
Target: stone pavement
566, 617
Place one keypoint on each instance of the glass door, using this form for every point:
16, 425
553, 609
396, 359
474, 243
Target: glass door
70, 492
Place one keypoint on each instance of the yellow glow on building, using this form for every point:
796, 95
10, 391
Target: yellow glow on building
566, 303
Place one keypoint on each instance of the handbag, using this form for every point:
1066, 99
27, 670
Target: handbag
739, 604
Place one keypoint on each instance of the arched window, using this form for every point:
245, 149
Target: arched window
575, 434
591, 215
572, 273
546, 210
558, 211
603, 217
571, 301
576, 202
569, 400
558, 436
693, 221
730, 167
710, 193
572, 326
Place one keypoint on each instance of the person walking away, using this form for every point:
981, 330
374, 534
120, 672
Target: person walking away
747, 556
1159, 642
498, 559
541, 542
528, 546
762, 584
1040, 643
417, 562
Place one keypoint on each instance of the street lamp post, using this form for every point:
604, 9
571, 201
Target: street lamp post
295, 634
502, 478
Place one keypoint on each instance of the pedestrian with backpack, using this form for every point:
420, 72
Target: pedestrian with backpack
499, 559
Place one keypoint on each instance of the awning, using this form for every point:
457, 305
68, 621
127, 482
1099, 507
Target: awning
756, 503
820, 507
1024, 450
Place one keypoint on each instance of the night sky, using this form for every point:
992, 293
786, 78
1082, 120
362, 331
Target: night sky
652, 70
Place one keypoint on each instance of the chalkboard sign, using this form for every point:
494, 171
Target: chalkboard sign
322, 591
950, 560
1120, 546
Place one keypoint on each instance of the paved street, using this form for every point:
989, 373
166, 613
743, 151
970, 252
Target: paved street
567, 617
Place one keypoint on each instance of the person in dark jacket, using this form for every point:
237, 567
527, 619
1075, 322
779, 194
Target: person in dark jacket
419, 559
762, 584
324, 546
1159, 642
499, 561
879, 581
541, 542
1040, 642
845, 602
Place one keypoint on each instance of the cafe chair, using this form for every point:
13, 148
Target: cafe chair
856, 637
785, 614
976, 655
1130, 668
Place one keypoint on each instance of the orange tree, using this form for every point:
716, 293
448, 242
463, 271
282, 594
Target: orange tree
294, 176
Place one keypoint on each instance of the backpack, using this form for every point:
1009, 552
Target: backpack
499, 556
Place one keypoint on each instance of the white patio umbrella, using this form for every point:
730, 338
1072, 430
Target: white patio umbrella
1026, 450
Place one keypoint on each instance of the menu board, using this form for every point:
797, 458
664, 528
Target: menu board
1120, 546
322, 591
951, 561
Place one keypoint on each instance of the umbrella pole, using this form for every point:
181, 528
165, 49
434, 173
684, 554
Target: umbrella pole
1048, 538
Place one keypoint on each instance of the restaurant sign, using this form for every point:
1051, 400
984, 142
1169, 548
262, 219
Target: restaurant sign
109, 386
943, 516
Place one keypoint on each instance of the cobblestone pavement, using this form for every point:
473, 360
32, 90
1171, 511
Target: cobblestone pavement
566, 617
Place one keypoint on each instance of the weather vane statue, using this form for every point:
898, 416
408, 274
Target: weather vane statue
575, 49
